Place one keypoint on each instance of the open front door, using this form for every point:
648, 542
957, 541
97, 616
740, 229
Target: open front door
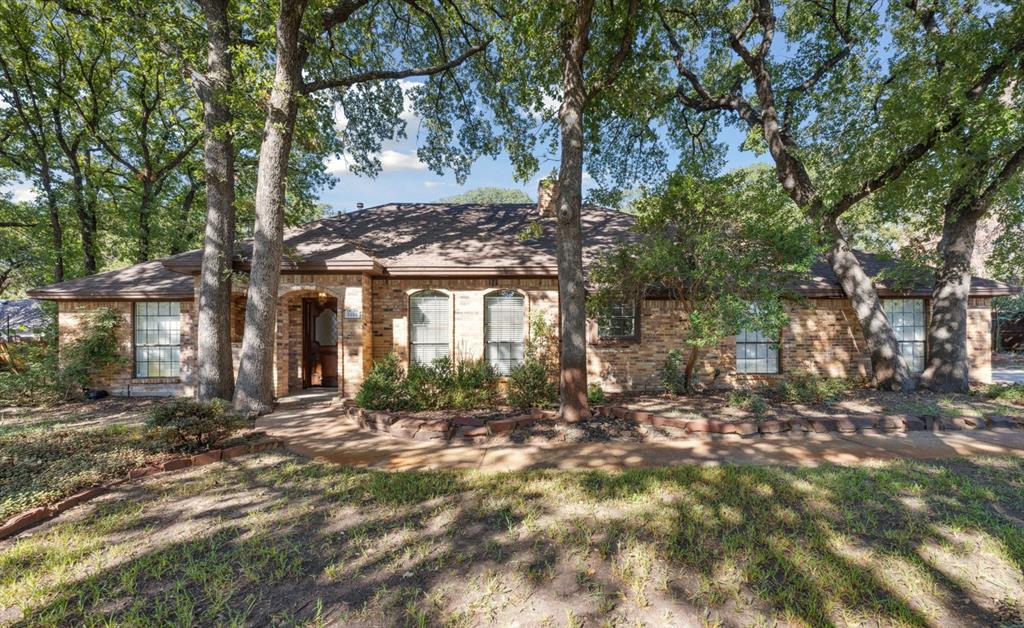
320, 343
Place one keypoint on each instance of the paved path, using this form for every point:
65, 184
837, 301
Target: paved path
1008, 375
316, 430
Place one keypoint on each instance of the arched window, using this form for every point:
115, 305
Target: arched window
504, 327
428, 326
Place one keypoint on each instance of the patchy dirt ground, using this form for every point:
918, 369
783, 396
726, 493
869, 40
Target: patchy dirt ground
109, 411
272, 539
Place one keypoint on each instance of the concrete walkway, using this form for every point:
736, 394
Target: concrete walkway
314, 429
1008, 375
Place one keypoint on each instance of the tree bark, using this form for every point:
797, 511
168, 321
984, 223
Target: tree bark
215, 375
143, 246
86, 213
53, 211
889, 369
691, 363
569, 233
948, 367
254, 392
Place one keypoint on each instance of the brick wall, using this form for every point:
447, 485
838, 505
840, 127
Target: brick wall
119, 380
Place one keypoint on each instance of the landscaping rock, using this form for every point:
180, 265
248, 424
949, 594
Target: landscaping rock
664, 421
176, 463
406, 427
26, 519
800, 425
266, 445
973, 422
639, 416
79, 497
501, 426
913, 423
142, 472
773, 427
206, 458
439, 426
234, 452
424, 435
822, 426
998, 420
470, 421
620, 413
380, 421
471, 432
707, 426
745, 428
537, 413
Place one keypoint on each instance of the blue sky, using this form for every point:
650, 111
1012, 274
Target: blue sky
406, 179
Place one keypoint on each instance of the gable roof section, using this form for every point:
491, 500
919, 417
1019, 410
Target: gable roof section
433, 239
145, 281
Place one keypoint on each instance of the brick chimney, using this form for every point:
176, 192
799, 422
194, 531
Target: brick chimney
547, 196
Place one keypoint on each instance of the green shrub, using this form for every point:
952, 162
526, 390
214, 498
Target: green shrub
1012, 393
385, 387
36, 373
190, 425
804, 387
595, 396
444, 384
748, 400
530, 385
672, 373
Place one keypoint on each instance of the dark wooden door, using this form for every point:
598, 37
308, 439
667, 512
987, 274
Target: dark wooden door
320, 342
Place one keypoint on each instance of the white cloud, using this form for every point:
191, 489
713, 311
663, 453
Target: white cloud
20, 192
433, 184
393, 160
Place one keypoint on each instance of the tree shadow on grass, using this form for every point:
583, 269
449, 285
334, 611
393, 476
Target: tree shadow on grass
279, 540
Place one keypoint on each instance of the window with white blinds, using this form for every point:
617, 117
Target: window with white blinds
504, 329
157, 329
908, 323
428, 329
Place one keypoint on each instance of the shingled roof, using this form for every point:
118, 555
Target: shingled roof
431, 239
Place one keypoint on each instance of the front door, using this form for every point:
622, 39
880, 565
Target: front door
320, 342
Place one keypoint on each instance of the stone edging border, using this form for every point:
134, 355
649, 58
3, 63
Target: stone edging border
474, 430
465, 428
39, 514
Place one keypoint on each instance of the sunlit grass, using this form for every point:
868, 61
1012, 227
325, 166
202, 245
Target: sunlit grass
277, 539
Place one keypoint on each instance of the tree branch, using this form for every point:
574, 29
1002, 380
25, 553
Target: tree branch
380, 75
619, 59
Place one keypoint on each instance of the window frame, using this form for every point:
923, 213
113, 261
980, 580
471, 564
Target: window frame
925, 312
448, 324
135, 344
776, 344
486, 323
635, 317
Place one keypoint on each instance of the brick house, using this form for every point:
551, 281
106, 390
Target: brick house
425, 280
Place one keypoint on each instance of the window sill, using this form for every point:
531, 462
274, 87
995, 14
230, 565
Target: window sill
156, 380
615, 342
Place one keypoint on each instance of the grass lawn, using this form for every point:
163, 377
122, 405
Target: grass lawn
272, 538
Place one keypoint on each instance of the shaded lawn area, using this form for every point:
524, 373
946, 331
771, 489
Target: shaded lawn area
276, 539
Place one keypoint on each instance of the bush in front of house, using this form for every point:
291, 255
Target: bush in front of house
530, 385
1011, 393
37, 374
595, 395
672, 374
190, 425
747, 400
442, 385
805, 387
385, 386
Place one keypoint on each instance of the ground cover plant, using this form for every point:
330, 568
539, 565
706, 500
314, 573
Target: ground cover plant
51, 454
275, 539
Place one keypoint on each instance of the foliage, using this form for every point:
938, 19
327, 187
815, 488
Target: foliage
1013, 393
385, 386
487, 195
530, 385
747, 400
534, 383
725, 248
190, 425
38, 374
444, 384
46, 463
595, 394
806, 387
671, 374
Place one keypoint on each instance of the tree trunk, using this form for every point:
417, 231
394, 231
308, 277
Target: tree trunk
571, 292
254, 391
948, 367
142, 253
56, 230
86, 220
182, 236
691, 363
889, 369
214, 361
